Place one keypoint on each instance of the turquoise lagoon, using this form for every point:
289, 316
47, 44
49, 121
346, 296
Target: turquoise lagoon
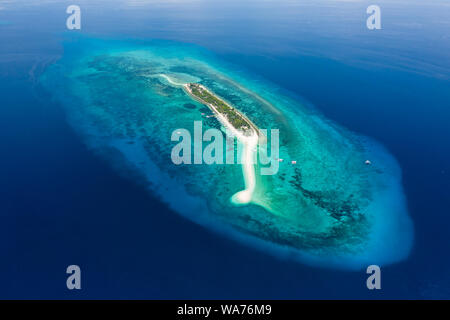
330, 209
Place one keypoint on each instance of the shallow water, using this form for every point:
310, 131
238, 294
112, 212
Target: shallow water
330, 208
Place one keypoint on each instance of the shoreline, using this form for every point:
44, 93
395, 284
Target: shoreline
170, 80
249, 144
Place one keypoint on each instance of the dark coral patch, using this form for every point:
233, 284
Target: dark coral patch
189, 106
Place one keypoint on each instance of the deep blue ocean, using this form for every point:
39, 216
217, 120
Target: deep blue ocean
60, 204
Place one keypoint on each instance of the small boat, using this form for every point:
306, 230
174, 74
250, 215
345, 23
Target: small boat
294, 162
368, 162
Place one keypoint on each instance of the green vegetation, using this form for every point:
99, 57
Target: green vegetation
233, 116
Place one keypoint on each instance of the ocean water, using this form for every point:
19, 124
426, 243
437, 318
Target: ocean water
66, 203
126, 102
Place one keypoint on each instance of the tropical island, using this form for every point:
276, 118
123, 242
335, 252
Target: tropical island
220, 107
238, 125
330, 209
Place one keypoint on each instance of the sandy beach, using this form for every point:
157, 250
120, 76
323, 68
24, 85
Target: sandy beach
249, 143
